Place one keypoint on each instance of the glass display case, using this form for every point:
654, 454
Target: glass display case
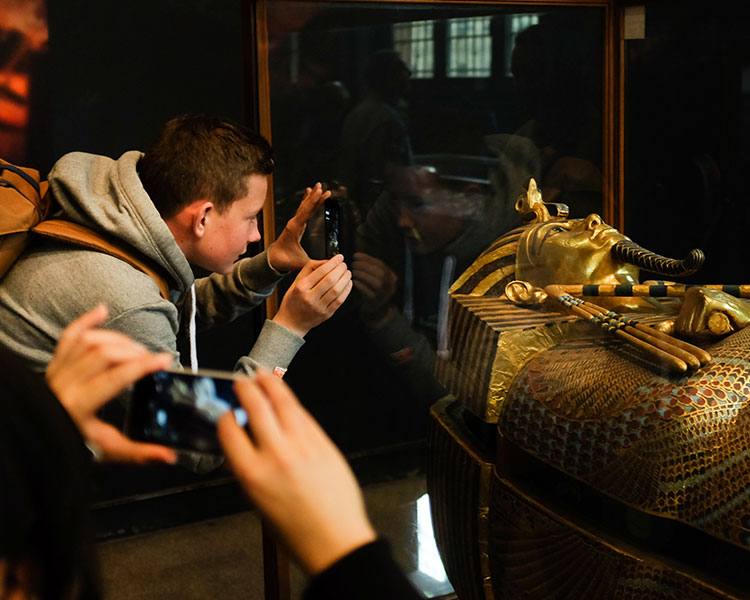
428, 119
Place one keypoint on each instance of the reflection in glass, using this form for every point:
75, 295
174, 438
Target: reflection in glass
415, 44
469, 47
432, 119
513, 26
430, 576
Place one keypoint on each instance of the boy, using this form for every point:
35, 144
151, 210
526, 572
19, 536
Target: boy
192, 199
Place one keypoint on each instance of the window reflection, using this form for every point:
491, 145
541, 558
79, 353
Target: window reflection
513, 26
415, 43
469, 47
431, 120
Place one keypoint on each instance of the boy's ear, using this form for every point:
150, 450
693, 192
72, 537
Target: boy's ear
198, 214
188, 226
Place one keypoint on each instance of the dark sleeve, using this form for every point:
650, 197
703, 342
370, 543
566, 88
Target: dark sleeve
368, 573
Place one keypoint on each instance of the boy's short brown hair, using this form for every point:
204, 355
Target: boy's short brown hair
198, 156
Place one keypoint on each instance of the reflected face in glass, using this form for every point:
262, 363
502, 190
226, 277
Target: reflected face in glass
427, 231
402, 79
573, 251
429, 215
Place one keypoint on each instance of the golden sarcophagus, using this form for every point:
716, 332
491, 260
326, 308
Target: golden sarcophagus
597, 440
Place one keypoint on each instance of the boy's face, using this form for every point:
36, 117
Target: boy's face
228, 233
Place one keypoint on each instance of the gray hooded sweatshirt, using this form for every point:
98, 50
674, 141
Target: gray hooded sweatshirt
53, 282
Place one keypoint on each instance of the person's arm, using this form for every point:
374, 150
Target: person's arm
221, 298
297, 478
367, 573
377, 283
91, 366
294, 474
407, 350
317, 292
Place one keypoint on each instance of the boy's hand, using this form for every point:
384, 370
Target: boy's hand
316, 293
295, 475
90, 367
377, 283
286, 253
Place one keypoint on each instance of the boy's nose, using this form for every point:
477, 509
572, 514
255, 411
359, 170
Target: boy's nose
254, 234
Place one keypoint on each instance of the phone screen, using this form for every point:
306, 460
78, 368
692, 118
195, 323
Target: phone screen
331, 210
180, 409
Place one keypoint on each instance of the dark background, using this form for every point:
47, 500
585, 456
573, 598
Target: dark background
115, 71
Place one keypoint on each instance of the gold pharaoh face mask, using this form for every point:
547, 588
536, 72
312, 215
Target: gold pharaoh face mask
558, 250
562, 250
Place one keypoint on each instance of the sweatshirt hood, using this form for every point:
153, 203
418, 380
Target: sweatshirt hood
107, 195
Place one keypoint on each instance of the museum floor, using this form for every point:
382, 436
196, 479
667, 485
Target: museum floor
221, 557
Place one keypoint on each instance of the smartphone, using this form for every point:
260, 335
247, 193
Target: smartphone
332, 215
180, 409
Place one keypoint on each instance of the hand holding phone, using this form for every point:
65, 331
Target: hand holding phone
89, 368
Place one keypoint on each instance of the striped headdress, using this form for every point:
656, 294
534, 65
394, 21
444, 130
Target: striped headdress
494, 269
496, 266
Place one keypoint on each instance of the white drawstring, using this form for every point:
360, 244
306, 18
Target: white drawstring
191, 332
445, 281
408, 284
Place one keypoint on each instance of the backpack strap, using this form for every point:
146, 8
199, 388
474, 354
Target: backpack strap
83, 236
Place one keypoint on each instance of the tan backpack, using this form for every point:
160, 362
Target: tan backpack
25, 208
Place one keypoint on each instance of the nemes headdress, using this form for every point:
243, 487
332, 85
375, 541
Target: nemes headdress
496, 266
